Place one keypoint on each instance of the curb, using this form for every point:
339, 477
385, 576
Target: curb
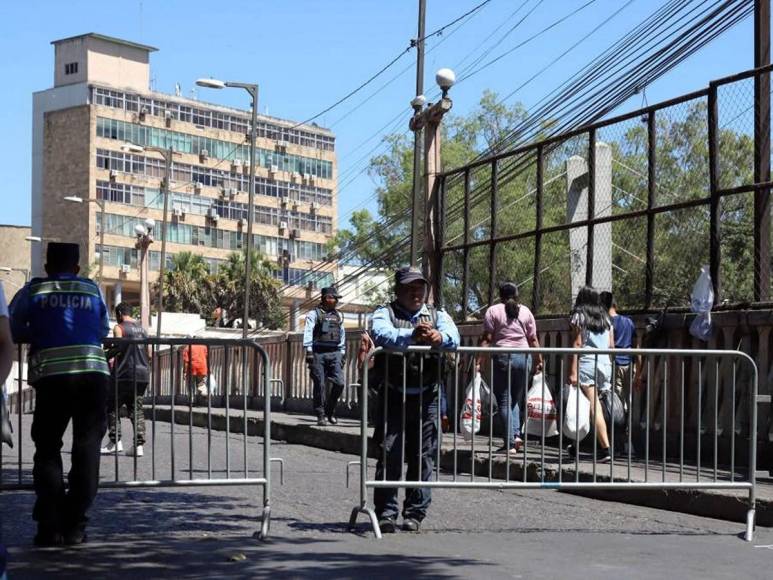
695, 502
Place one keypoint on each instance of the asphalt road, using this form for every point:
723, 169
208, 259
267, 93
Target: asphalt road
206, 532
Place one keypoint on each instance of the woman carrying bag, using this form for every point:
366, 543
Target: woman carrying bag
510, 324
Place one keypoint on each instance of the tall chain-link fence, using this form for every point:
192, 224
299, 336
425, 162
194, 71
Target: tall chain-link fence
635, 205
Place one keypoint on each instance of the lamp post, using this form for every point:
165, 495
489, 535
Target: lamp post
167, 154
144, 234
101, 204
429, 119
252, 89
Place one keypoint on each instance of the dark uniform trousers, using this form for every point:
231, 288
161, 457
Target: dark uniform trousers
421, 429
326, 366
82, 398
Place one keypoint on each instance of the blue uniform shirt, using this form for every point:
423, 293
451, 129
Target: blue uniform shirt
61, 310
308, 332
385, 334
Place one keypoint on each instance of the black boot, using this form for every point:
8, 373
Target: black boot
321, 420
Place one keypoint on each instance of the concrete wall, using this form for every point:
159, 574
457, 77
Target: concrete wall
14, 254
44, 102
66, 159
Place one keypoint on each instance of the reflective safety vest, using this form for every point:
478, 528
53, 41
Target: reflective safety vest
67, 360
64, 319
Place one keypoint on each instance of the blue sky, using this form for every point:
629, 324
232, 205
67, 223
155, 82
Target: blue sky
306, 54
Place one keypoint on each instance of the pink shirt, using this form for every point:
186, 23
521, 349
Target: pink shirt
515, 333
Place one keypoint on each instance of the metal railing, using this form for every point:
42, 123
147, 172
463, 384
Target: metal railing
676, 460
170, 399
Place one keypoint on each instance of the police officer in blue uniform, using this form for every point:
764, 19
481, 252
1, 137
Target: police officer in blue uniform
324, 340
409, 321
64, 319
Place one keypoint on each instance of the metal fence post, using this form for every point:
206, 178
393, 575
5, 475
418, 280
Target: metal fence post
714, 247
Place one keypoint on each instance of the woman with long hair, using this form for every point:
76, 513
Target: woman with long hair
510, 324
592, 329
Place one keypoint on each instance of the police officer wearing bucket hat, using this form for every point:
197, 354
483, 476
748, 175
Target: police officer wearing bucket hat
324, 340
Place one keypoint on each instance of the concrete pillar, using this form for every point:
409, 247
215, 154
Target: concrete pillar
577, 211
118, 293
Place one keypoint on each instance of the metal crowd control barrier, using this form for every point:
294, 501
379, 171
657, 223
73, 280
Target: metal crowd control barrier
666, 393
239, 367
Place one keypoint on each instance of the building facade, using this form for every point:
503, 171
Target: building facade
15, 242
101, 102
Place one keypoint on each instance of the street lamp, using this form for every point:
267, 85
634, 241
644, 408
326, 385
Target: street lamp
144, 235
252, 89
167, 154
101, 204
429, 119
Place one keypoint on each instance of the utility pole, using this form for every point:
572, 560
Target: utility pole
761, 151
429, 120
417, 103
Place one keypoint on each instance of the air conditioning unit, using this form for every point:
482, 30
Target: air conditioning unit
294, 205
197, 188
212, 214
314, 206
168, 118
307, 177
236, 165
177, 212
295, 234
143, 113
113, 174
285, 200
296, 177
273, 169
203, 155
282, 226
228, 192
281, 147
125, 268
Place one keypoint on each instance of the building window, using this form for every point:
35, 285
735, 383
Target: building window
71, 68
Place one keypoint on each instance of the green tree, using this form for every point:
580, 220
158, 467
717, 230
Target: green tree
681, 237
187, 285
265, 303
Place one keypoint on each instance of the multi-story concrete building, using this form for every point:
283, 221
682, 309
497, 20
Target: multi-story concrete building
101, 101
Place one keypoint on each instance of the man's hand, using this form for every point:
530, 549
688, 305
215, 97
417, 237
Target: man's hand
434, 338
573, 378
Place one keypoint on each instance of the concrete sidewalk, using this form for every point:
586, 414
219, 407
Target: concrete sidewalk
345, 438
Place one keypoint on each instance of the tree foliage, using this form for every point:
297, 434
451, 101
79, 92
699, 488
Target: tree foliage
681, 237
188, 287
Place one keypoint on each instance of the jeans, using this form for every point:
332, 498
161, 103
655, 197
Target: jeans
58, 399
514, 368
421, 412
326, 366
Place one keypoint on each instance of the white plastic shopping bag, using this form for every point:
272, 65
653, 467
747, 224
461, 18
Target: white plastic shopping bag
576, 414
701, 302
471, 410
540, 409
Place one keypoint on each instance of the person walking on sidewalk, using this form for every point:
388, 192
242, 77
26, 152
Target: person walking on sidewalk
511, 325
324, 340
129, 381
64, 319
408, 321
195, 367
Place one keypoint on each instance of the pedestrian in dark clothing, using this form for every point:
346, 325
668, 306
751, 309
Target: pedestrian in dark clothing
129, 381
405, 322
64, 319
324, 340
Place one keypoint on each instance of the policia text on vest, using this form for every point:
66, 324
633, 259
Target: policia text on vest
324, 340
